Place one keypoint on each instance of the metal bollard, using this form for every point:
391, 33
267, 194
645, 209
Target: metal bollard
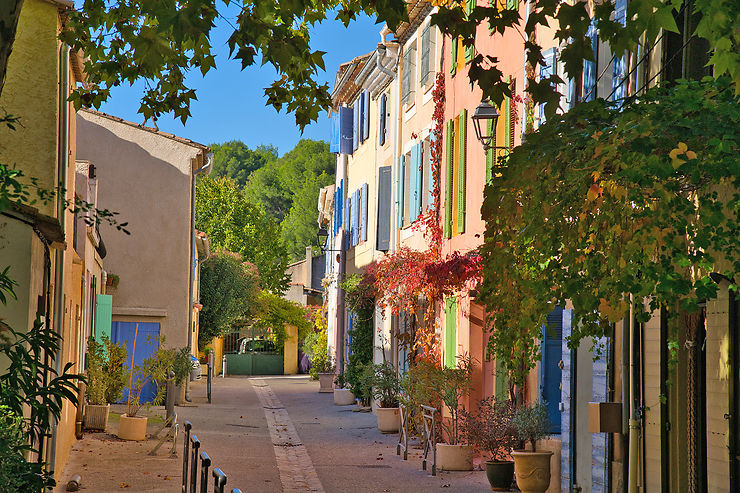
223, 370
194, 446
219, 480
205, 463
186, 457
169, 404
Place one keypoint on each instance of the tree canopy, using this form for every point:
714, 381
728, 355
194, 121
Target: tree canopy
287, 189
233, 223
235, 160
228, 291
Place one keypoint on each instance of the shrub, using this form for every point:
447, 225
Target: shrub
490, 429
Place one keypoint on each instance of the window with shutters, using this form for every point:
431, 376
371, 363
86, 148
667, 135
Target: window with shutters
548, 69
408, 78
469, 50
427, 187
428, 45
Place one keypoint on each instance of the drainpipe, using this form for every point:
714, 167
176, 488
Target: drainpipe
382, 53
626, 397
62, 162
634, 424
572, 435
205, 168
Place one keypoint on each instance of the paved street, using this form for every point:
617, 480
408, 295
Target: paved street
268, 434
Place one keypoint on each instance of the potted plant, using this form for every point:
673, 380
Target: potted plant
386, 388
490, 431
342, 394
532, 467
321, 364
455, 384
361, 384
106, 378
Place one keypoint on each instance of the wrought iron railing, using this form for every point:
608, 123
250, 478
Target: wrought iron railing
195, 463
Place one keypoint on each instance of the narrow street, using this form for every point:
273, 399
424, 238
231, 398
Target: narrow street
268, 434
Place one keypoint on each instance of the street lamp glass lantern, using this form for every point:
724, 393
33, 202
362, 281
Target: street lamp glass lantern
484, 113
321, 236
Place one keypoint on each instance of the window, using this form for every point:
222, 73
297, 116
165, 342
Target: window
408, 79
427, 54
451, 332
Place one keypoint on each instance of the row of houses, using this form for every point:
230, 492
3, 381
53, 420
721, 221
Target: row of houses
382, 134
80, 278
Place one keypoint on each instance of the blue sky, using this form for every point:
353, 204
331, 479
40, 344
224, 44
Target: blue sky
231, 102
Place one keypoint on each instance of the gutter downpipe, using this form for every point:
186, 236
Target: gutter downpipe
634, 424
573, 455
62, 163
626, 324
206, 167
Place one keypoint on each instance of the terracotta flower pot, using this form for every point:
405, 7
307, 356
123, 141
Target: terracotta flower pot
532, 470
454, 457
326, 381
389, 419
500, 474
96, 416
343, 397
132, 428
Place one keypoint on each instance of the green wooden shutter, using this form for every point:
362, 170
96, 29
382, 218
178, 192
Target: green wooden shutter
462, 135
502, 384
448, 181
103, 315
490, 157
507, 122
401, 176
451, 332
453, 56
512, 4
469, 50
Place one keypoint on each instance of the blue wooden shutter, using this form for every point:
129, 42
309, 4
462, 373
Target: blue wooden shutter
355, 217
547, 70
551, 375
335, 133
366, 132
381, 127
589, 67
462, 151
363, 220
419, 171
355, 127
399, 218
620, 66
383, 240
363, 115
336, 210
348, 223
413, 185
345, 127
430, 174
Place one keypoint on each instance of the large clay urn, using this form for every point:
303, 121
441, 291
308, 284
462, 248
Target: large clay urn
532, 470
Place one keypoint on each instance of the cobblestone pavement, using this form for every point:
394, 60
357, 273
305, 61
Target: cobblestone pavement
269, 435
296, 470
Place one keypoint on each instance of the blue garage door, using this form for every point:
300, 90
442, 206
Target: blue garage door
146, 345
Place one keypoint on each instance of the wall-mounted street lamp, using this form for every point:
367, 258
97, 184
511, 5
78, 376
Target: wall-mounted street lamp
484, 113
322, 236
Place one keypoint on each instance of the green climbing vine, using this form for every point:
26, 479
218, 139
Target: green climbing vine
603, 203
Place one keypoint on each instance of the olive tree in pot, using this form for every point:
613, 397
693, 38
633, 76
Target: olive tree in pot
386, 388
106, 378
491, 432
455, 385
532, 467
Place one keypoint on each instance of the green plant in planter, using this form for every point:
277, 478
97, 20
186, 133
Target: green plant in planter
421, 385
181, 364
531, 423
362, 383
455, 385
320, 361
490, 428
340, 380
386, 385
105, 371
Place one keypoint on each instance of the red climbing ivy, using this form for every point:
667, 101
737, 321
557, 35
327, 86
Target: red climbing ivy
414, 281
